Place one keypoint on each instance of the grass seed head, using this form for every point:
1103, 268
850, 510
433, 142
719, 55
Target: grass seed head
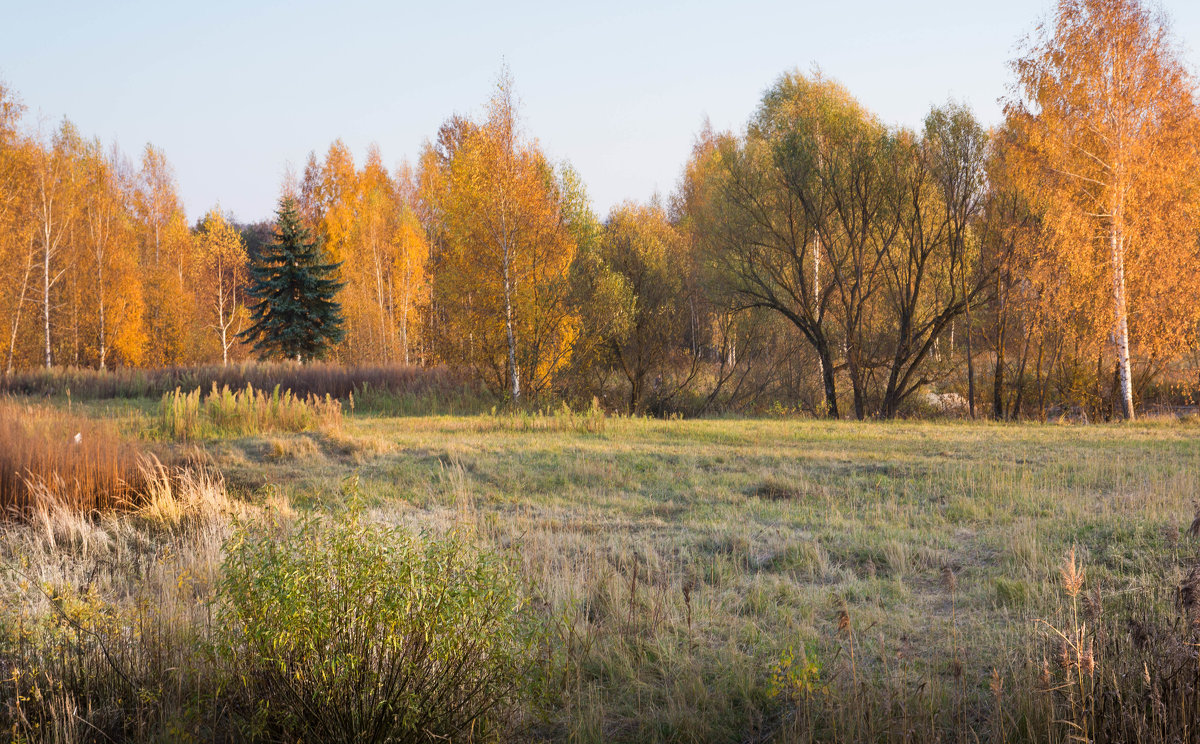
1072, 574
843, 620
1087, 658
1065, 659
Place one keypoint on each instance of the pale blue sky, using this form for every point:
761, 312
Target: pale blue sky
234, 91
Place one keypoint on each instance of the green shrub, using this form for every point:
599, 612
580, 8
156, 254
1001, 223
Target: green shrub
369, 633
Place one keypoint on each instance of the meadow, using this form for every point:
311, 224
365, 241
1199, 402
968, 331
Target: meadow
769, 579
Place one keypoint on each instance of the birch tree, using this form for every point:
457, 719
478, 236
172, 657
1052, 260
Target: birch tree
1104, 113
55, 204
18, 250
222, 260
503, 271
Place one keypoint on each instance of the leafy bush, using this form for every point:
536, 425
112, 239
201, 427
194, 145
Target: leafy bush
368, 633
184, 416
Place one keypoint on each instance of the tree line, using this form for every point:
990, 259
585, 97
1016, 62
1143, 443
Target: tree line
817, 259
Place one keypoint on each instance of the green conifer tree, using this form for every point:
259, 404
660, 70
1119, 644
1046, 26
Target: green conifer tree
293, 308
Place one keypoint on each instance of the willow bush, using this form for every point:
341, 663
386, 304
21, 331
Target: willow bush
360, 632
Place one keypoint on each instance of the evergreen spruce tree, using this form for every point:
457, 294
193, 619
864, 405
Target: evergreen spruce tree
293, 310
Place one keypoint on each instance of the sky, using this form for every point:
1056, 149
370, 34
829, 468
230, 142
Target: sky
236, 92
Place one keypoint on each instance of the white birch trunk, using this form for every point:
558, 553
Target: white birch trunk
1121, 311
12, 341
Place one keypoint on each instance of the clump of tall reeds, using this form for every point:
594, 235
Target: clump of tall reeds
76, 462
1124, 668
224, 412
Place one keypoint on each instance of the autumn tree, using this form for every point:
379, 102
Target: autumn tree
406, 268
1104, 121
759, 245
18, 247
858, 234
933, 272
56, 202
116, 286
638, 298
505, 253
367, 219
955, 149
833, 157
1016, 323
221, 259
173, 325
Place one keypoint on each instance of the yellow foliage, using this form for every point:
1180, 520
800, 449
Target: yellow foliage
502, 272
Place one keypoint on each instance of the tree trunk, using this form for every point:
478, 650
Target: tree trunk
970, 364
1001, 327
1121, 311
828, 380
1015, 413
221, 313
998, 382
103, 332
12, 342
513, 371
856, 385
404, 315
1041, 385
46, 295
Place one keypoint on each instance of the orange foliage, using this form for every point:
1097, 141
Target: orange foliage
1105, 130
502, 273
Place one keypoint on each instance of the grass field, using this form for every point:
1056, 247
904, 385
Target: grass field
738, 580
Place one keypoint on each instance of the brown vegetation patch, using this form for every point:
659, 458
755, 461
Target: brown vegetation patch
77, 462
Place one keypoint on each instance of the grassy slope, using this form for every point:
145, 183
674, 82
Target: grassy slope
684, 557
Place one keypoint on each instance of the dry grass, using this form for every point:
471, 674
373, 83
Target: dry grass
563, 419
319, 379
682, 560
78, 462
105, 619
781, 580
224, 412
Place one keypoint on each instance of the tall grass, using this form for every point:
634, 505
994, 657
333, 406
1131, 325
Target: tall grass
902, 583
78, 462
224, 412
170, 624
1112, 668
319, 379
105, 627
592, 420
